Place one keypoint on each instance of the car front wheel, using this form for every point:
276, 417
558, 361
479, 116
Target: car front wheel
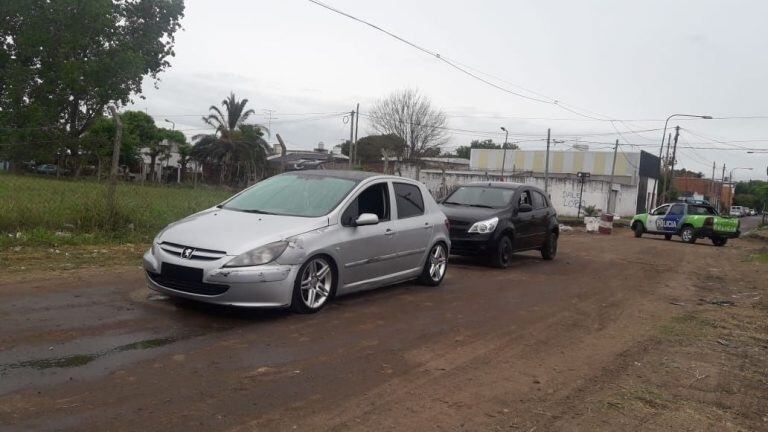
314, 285
436, 265
639, 230
503, 256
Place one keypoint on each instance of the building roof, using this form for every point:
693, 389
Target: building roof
351, 175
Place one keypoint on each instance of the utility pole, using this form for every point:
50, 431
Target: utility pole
357, 124
269, 125
610, 183
664, 168
720, 189
546, 165
674, 155
111, 190
351, 137
712, 189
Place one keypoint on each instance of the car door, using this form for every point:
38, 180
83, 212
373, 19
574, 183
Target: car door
524, 221
541, 214
674, 219
366, 252
656, 218
414, 230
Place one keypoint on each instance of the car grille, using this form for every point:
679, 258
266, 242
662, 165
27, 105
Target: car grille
186, 279
197, 254
459, 228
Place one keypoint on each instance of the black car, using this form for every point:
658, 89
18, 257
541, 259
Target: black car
495, 219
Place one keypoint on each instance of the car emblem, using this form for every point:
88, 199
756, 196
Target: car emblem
187, 253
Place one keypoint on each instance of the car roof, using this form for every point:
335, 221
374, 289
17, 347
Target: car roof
501, 185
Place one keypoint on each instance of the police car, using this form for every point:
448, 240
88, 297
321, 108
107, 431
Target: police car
689, 221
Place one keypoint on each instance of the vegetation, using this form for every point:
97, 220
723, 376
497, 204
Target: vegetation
410, 116
35, 210
372, 147
752, 194
63, 62
465, 151
236, 148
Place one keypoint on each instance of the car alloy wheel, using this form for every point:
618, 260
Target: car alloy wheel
437, 262
316, 283
687, 235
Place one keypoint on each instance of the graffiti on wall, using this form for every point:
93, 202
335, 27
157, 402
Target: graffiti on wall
571, 199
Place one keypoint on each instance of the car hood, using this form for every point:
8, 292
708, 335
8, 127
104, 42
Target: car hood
469, 214
236, 232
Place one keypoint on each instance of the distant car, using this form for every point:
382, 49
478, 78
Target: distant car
736, 211
46, 169
298, 239
689, 221
496, 219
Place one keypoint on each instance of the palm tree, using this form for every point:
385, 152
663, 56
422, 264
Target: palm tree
236, 147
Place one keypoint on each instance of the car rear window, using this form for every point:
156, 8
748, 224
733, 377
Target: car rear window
700, 210
409, 200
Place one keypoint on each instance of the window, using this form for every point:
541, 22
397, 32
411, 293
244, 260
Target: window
660, 211
374, 199
677, 210
701, 210
525, 198
293, 195
409, 200
539, 201
481, 196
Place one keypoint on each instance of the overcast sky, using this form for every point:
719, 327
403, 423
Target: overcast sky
634, 61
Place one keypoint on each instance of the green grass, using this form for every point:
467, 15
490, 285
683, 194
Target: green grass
43, 211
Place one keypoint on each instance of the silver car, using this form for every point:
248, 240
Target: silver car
299, 239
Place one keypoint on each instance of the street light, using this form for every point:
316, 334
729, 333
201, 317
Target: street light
663, 135
504, 158
731, 178
172, 123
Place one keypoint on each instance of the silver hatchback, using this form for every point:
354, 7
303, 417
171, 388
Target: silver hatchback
299, 239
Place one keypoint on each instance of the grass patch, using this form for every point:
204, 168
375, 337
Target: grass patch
688, 326
759, 257
45, 211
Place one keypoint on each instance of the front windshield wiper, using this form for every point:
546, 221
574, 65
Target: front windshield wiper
480, 205
451, 202
258, 211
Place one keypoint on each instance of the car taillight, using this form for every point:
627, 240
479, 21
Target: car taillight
447, 224
709, 221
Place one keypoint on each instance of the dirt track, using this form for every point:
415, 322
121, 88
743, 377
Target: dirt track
546, 345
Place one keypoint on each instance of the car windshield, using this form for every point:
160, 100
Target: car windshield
701, 210
479, 196
293, 195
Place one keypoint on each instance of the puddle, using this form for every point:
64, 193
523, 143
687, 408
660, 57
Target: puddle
78, 360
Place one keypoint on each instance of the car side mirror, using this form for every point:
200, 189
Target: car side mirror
367, 219
525, 208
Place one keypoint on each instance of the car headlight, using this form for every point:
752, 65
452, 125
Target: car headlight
484, 227
153, 249
261, 255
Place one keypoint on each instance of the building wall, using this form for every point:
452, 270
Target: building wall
560, 162
704, 186
564, 192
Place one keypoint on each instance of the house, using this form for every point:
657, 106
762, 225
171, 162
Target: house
297, 160
716, 192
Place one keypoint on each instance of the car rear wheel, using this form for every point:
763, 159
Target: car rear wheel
436, 265
503, 256
688, 235
667, 236
314, 285
549, 251
719, 241
639, 230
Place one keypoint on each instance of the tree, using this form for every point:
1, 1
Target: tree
237, 148
688, 173
63, 62
185, 156
411, 117
465, 151
369, 148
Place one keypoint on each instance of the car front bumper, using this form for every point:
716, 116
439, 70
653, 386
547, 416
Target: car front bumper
473, 244
269, 285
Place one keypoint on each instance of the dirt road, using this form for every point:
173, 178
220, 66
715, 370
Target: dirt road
616, 334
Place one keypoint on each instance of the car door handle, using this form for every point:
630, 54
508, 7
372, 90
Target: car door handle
389, 232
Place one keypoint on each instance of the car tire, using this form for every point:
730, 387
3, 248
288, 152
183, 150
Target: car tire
317, 276
719, 241
549, 251
667, 236
688, 235
436, 265
639, 229
502, 256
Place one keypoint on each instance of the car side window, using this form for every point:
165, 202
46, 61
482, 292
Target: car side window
677, 210
660, 211
525, 198
374, 199
409, 200
539, 201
